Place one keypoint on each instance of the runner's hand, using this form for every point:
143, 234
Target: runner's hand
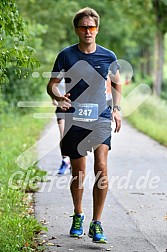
117, 119
64, 102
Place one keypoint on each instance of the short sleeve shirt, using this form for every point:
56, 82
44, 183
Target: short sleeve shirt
85, 74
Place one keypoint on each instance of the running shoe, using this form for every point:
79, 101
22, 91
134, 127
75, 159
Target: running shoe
64, 168
96, 232
77, 226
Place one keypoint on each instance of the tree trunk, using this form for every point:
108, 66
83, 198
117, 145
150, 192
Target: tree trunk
158, 48
145, 62
158, 62
148, 62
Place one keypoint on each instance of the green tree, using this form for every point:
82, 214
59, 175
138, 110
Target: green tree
14, 50
127, 27
19, 40
57, 16
147, 28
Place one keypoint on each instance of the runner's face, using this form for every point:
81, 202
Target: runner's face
87, 37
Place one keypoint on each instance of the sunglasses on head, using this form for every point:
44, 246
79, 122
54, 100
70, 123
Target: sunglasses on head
85, 28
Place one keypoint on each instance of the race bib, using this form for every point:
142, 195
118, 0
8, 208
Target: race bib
85, 112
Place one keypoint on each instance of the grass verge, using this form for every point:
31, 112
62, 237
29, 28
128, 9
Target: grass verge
150, 117
17, 223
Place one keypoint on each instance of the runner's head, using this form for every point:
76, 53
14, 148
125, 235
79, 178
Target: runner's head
86, 12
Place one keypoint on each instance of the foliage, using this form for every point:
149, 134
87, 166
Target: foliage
18, 225
148, 115
23, 87
127, 27
57, 15
14, 49
18, 57
160, 10
147, 119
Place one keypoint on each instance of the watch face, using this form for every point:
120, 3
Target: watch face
117, 107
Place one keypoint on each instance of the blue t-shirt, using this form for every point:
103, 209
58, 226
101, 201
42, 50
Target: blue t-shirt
85, 74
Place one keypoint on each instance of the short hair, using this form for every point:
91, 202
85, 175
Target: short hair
86, 12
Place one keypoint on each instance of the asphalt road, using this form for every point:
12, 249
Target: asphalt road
135, 213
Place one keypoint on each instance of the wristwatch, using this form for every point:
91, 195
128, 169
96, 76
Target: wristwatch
117, 107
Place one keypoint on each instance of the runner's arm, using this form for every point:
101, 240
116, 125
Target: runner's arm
52, 89
116, 96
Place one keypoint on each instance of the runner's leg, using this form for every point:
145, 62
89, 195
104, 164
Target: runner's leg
78, 174
101, 184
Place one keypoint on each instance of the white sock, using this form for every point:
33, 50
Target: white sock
66, 160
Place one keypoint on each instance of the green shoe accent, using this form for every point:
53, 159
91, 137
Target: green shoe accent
96, 232
77, 226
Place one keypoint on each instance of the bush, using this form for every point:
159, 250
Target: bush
20, 88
